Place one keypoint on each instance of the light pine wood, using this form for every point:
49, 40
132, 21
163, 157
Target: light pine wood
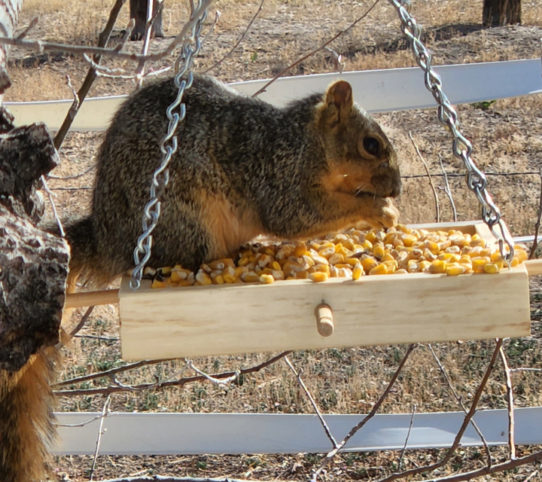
534, 266
91, 298
416, 307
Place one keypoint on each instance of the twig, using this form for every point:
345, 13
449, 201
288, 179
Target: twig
514, 370
212, 379
74, 176
82, 321
447, 189
435, 195
510, 397
466, 421
509, 464
158, 478
170, 383
403, 450
461, 404
313, 403
317, 49
110, 372
538, 218
457, 174
368, 417
239, 40
105, 411
90, 77
30, 26
53, 206
151, 17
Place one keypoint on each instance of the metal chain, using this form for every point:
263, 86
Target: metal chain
175, 113
461, 147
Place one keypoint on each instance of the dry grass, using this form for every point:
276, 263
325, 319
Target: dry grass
507, 137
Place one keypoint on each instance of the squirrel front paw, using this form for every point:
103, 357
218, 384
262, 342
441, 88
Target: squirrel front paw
390, 214
382, 213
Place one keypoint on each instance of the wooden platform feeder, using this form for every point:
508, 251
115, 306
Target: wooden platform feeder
300, 314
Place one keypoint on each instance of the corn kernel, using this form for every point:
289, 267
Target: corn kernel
454, 269
368, 263
380, 268
266, 279
318, 276
357, 271
157, 283
438, 266
491, 268
202, 278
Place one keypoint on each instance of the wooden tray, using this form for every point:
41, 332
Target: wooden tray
386, 309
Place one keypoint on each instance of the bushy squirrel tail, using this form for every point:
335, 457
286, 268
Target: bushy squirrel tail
26, 423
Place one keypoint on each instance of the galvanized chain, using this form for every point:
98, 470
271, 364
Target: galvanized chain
461, 147
175, 113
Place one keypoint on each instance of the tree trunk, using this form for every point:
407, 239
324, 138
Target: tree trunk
501, 12
138, 11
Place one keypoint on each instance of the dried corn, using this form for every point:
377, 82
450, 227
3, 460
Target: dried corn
352, 255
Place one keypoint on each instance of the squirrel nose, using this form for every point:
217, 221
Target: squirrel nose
387, 183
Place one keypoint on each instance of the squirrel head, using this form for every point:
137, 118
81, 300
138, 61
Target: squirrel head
360, 158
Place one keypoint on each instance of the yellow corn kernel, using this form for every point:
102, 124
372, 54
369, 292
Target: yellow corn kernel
476, 240
165, 270
357, 271
202, 278
413, 266
266, 279
352, 261
431, 246
449, 257
250, 277
366, 244
401, 271
276, 265
491, 268
178, 275
388, 257
424, 265
336, 258
371, 237
379, 250
368, 263
221, 263
391, 265
520, 253
454, 269
479, 262
438, 266
409, 239
321, 267
380, 268
158, 283
318, 276
300, 249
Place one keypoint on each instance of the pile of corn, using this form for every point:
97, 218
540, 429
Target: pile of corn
349, 255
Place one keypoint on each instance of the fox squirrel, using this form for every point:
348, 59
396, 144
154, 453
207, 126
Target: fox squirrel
243, 168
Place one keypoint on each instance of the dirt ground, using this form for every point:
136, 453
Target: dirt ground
507, 139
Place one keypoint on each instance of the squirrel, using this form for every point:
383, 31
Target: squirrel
243, 168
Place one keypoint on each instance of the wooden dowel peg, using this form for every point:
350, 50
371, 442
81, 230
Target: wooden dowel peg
91, 298
324, 319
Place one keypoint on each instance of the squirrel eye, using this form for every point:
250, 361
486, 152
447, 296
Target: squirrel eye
371, 145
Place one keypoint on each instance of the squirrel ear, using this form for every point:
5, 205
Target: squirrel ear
339, 94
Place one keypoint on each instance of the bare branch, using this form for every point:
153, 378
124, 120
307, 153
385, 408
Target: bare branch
510, 398
509, 464
317, 49
466, 421
75, 176
313, 403
460, 402
368, 417
537, 224
435, 196
170, 383
105, 412
216, 381
82, 321
53, 206
29, 27
400, 464
239, 40
447, 189
90, 77
41, 46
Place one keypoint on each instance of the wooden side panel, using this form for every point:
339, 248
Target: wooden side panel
390, 309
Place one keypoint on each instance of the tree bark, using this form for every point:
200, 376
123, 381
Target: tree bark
138, 11
33, 263
501, 12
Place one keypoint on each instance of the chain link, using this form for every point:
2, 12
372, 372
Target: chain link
175, 113
461, 146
